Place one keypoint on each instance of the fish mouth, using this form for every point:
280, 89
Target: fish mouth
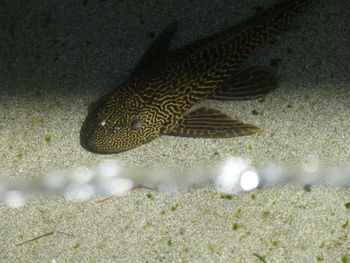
86, 138
90, 146
88, 143
85, 142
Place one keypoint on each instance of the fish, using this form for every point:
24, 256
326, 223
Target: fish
157, 98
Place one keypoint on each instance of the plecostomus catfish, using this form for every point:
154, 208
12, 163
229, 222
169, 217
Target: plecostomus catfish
157, 98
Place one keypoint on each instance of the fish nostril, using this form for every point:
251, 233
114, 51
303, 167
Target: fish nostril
135, 123
101, 112
117, 127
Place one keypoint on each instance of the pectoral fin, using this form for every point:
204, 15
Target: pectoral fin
248, 84
211, 123
158, 48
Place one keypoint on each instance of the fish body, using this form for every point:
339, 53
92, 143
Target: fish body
157, 98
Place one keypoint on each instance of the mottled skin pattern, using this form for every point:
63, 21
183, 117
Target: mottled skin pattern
153, 100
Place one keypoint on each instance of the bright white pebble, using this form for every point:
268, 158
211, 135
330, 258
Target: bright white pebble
82, 175
249, 180
311, 164
14, 199
228, 179
108, 168
115, 186
78, 192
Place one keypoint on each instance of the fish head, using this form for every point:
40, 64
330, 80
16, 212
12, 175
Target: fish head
117, 124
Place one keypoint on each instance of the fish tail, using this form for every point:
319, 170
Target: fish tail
269, 22
274, 19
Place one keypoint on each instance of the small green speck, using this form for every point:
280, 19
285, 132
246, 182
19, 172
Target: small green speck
150, 196
319, 258
75, 245
181, 231
261, 99
265, 213
211, 247
234, 226
301, 206
20, 154
288, 106
185, 249
347, 205
162, 212
169, 242
272, 134
147, 224
344, 259
47, 138
346, 223
174, 207
253, 196
275, 61
226, 196
321, 245
275, 243
238, 213
255, 112
137, 202
307, 188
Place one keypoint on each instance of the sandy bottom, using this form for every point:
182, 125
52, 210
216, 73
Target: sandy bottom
58, 57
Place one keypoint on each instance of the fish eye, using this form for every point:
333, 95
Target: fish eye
136, 123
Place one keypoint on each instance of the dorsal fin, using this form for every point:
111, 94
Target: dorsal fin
158, 48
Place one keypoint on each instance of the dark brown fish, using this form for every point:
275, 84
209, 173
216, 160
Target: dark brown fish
158, 96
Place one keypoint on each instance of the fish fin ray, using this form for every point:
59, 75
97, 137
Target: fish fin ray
251, 83
211, 123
